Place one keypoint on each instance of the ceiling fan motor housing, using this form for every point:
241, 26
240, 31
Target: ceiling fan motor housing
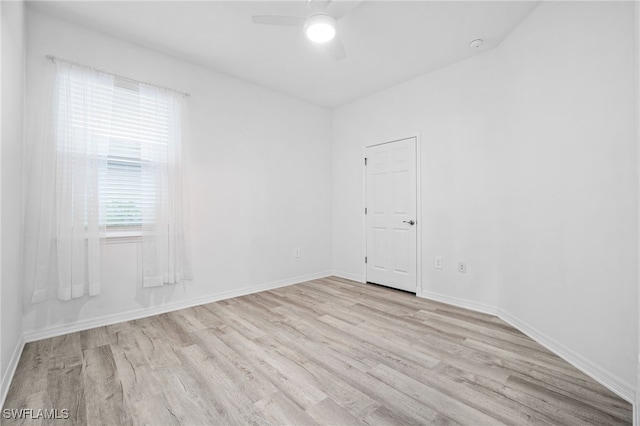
320, 27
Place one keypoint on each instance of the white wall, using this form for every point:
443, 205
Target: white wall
569, 257
529, 164
13, 51
456, 109
260, 179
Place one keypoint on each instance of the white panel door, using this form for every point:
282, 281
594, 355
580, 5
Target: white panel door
391, 214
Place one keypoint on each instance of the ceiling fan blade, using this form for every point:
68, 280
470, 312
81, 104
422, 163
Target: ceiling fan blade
335, 48
289, 21
339, 8
316, 6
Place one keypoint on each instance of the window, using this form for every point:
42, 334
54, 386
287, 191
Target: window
123, 191
140, 125
109, 162
132, 131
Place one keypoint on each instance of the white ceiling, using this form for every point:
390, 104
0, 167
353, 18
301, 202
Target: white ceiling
387, 42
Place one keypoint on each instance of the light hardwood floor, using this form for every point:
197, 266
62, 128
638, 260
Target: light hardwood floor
328, 351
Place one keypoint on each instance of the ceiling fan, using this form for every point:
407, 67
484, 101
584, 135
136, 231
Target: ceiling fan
319, 24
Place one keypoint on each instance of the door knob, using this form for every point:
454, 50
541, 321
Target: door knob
410, 222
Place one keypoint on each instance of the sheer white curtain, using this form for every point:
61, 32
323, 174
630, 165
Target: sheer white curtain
164, 228
111, 160
73, 156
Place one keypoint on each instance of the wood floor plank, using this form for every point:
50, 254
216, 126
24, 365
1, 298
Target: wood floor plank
558, 414
604, 401
498, 406
328, 351
458, 326
62, 389
138, 381
187, 320
426, 395
280, 410
95, 337
189, 398
253, 381
158, 352
376, 390
490, 399
327, 412
578, 408
235, 404
302, 394
348, 397
387, 416
102, 388
154, 411
65, 351
386, 395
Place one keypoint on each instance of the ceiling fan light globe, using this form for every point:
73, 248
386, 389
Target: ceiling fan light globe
320, 28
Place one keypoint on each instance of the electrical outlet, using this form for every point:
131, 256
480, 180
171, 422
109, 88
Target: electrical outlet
297, 252
438, 262
462, 266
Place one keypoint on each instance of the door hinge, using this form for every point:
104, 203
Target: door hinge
365, 259
365, 161
365, 210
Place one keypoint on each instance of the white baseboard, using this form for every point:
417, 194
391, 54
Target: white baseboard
618, 386
348, 276
621, 388
11, 369
462, 303
58, 330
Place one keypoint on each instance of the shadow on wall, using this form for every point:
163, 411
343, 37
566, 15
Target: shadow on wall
118, 284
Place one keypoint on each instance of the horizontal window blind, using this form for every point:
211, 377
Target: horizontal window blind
130, 132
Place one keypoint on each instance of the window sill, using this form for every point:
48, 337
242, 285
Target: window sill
123, 236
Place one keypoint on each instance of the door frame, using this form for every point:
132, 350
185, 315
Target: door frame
397, 136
